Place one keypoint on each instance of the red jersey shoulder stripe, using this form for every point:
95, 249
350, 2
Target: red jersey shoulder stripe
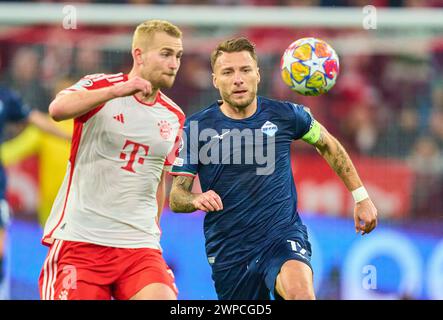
102, 82
76, 139
177, 111
170, 103
118, 77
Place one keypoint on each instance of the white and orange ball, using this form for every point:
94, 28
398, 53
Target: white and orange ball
309, 66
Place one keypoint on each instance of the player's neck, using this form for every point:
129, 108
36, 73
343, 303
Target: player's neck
140, 96
147, 99
238, 113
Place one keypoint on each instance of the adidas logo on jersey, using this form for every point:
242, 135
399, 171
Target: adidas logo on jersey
119, 118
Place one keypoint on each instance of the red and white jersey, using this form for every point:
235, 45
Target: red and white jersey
118, 153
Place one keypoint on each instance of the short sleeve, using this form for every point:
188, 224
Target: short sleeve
17, 110
93, 82
89, 82
186, 163
302, 121
82, 84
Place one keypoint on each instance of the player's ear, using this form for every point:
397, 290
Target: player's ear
137, 55
258, 75
214, 80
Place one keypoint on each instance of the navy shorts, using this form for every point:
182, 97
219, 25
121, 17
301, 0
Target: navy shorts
4, 213
255, 279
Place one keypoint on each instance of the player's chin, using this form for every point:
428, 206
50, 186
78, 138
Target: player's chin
242, 101
167, 83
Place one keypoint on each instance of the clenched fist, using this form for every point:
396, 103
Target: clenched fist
208, 201
132, 86
365, 216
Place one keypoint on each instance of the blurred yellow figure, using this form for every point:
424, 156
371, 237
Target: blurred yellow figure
52, 151
53, 154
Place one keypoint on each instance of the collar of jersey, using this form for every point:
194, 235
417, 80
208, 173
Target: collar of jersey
244, 119
157, 97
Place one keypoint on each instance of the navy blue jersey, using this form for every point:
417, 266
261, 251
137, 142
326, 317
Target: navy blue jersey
12, 109
247, 163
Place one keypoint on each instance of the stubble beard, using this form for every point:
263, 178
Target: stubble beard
163, 84
159, 83
240, 105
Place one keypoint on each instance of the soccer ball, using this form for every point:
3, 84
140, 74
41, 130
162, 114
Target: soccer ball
309, 66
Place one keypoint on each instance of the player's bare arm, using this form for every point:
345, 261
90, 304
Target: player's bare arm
365, 213
75, 104
41, 121
182, 199
161, 195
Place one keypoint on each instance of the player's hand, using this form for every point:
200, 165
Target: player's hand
365, 216
208, 201
132, 86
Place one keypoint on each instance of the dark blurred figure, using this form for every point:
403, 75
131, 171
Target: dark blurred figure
399, 137
193, 86
437, 95
436, 126
14, 110
427, 163
26, 79
331, 288
360, 128
88, 60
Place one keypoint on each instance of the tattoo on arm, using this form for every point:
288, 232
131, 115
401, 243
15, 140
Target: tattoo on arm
323, 143
320, 144
180, 199
337, 157
184, 183
341, 161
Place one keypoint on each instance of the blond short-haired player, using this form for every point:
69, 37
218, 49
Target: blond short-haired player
103, 230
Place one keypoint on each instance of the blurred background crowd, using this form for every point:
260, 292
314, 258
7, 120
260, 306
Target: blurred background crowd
386, 107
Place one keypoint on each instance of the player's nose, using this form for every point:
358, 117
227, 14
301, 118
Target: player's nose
174, 63
238, 80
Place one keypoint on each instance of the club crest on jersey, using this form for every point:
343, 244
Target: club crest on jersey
269, 128
83, 83
165, 129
